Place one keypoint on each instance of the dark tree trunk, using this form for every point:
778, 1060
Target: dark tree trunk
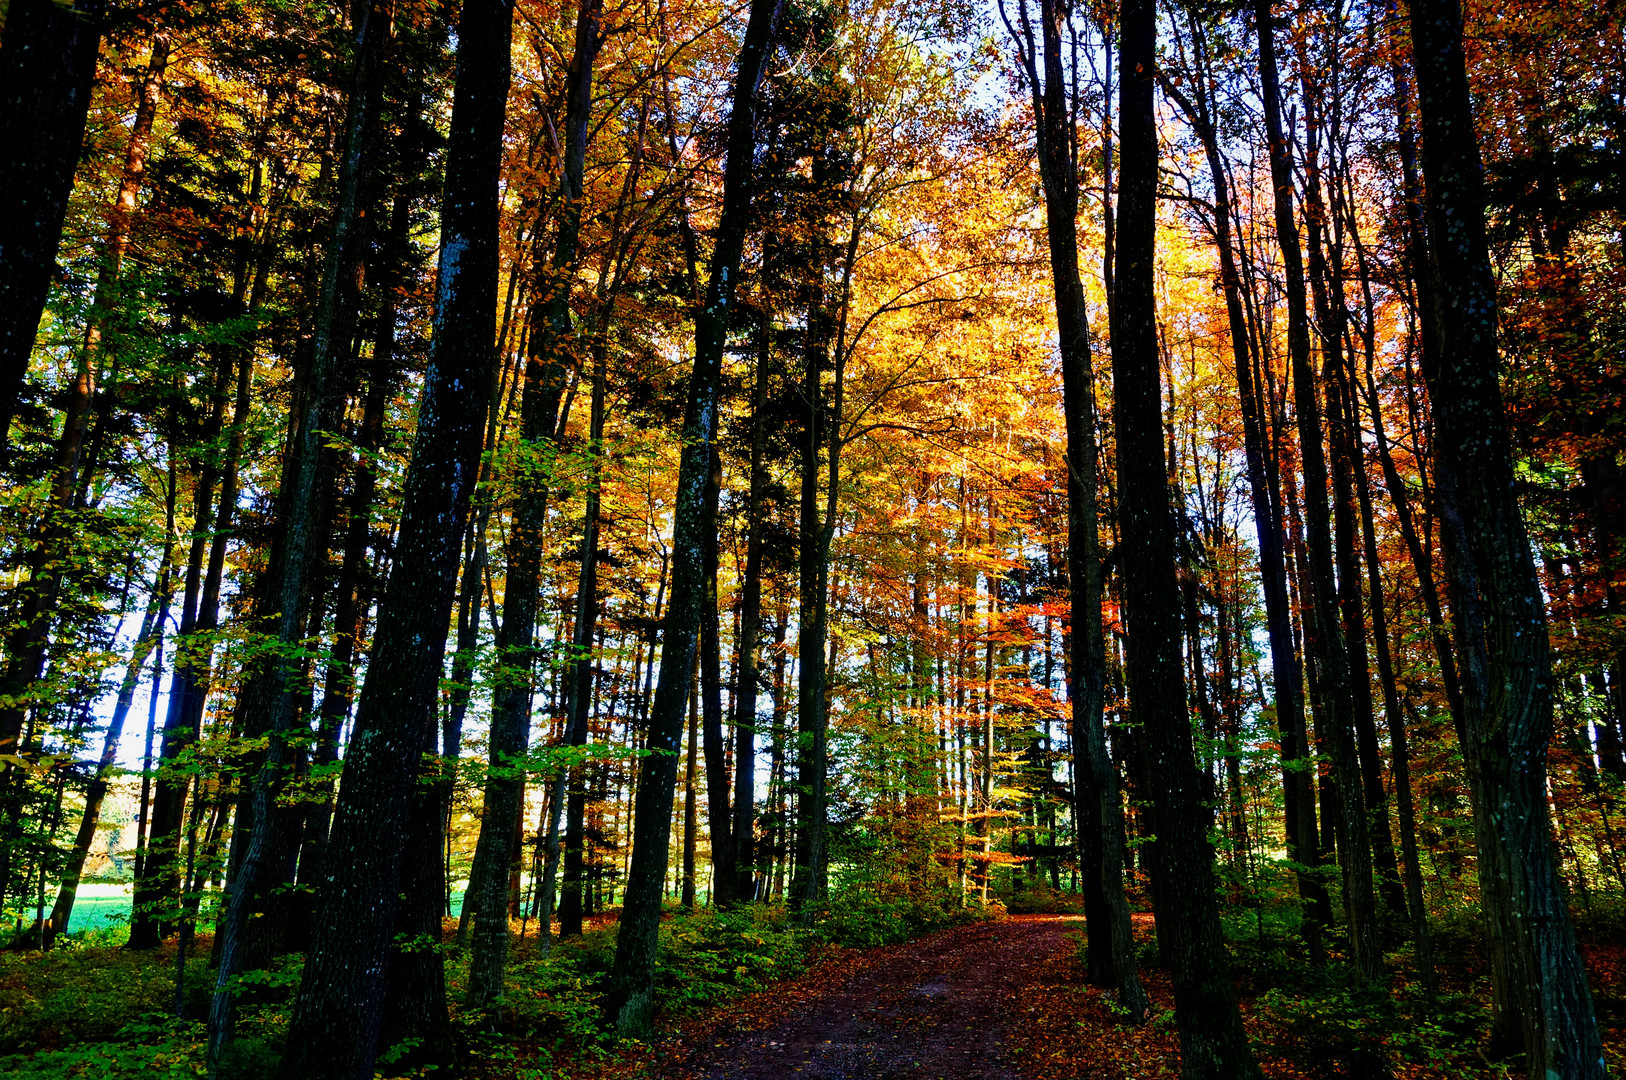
47, 69
572, 897
746, 644
1097, 801
336, 1018
813, 581
1213, 1042
1343, 436
1417, 259
719, 816
1538, 980
1287, 674
631, 998
353, 590
268, 702
1323, 632
159, 882
550, 355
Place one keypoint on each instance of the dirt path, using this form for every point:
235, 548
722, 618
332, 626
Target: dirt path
924, 1010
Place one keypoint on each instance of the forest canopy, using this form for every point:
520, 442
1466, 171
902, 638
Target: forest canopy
503, 501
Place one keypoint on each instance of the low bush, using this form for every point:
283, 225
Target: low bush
1337, 1031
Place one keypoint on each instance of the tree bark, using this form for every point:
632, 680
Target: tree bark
1287, 674
746, 645
631, 998
550, 355
1538, 980
1097, 801
336, 1017
47, 70
1213, 1042
1324, 637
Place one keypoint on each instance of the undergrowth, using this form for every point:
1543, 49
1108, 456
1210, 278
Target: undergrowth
92, 1009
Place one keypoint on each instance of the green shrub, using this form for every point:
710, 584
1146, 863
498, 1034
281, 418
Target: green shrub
1334, 1030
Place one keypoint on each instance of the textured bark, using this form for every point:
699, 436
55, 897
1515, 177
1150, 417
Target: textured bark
1417, 259
1212, 1040
1538, 980
354, 588
631, 998
47, 69
550, 355
1097, 801
268, 700
336, 1017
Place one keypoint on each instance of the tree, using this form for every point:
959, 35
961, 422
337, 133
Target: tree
47, 68
1212, 1040
631, 999
337, 1015
1096, 797
1541, 993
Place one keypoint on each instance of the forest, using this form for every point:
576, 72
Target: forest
690, 538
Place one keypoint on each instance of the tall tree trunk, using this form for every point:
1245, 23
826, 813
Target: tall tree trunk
1287, 674
551, 351
746, 643
336, 1017
631, 998
1417, 259
1097, 802
1538, 980
1343, 437
268, 699
1324, 635
572, 896
691, 820
47, 69
159, 882
812, 576
719, 815
353, 593
1213, 1042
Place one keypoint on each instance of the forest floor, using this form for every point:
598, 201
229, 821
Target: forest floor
1006, 1000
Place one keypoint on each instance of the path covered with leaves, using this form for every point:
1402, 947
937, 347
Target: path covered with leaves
939, 1006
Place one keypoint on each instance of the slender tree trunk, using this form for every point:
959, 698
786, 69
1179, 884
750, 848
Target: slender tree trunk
1097, 802
96, 788
1265, 498
1538, 980
719, 815
551, 349
159, 882
691, 820
746, 643
1213, 1042
572, 900
631, 998
1324, 635
334, 1029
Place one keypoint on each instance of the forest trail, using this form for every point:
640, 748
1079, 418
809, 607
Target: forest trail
923, 1010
